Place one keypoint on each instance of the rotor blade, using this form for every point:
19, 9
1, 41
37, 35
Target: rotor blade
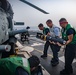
41, 10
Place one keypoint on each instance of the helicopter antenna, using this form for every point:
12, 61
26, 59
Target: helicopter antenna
32, 5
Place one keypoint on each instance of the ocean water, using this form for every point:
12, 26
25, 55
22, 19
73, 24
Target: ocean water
34, 28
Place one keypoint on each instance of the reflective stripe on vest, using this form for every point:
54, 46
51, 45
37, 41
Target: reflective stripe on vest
25, 63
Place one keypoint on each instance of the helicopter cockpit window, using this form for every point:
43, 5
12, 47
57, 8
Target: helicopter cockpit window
19, 23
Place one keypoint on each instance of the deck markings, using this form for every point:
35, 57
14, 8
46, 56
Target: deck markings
36, 44
42, 52
60, 58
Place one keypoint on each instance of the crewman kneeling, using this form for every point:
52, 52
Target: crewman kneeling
18, 65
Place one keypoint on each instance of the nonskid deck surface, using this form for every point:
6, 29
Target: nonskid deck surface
25, 51
36, 47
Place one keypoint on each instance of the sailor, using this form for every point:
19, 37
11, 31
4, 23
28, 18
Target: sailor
18, 65
68, 34
54, 32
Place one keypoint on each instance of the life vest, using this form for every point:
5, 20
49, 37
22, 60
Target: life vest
8, 66
65, 36
45, 30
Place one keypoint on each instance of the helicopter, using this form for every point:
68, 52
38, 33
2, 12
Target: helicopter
34, 6
7, 34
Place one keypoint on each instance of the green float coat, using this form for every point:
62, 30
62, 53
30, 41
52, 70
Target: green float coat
8, 66
65, 36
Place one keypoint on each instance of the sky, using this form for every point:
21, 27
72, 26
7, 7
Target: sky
56, 8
